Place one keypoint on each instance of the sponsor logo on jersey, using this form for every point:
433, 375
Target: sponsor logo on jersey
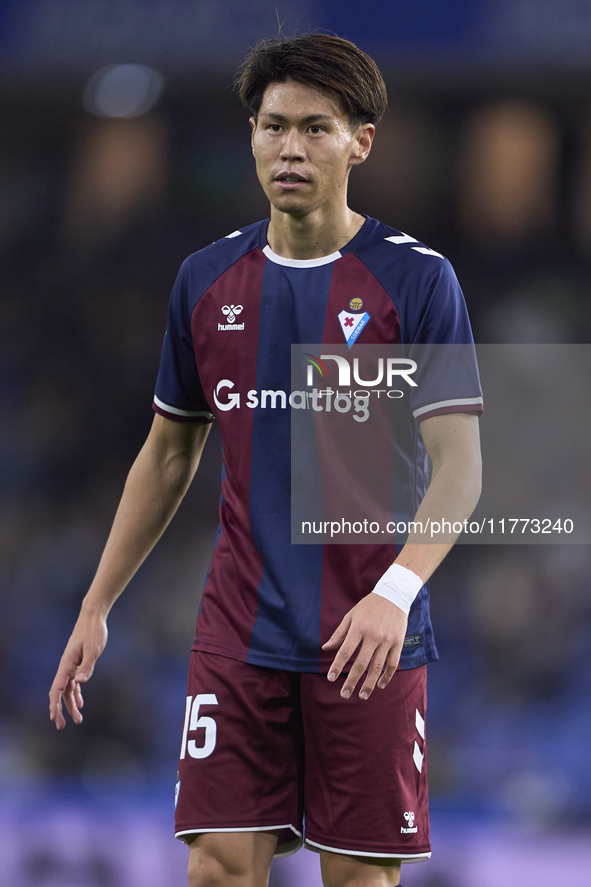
231, 312
276, 399
356, 304
329, 399
412, 828
352, 324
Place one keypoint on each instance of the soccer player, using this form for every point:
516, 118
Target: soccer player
281, 719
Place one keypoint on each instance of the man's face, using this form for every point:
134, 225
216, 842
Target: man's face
304, 147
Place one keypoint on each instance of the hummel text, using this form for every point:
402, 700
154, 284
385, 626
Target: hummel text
230, 326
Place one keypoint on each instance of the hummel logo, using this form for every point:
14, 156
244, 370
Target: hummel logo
231, 311
412, 828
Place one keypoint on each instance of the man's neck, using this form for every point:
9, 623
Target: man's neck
311, 236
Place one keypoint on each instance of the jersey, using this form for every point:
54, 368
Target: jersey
235, 311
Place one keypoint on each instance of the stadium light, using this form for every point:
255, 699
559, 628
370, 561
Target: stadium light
123, 91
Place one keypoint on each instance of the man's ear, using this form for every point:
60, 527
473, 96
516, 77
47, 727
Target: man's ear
253, 126
363, 140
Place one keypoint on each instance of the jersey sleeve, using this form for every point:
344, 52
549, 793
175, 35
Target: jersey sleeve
443, 348
179, 394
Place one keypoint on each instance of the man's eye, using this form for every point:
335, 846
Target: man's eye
315, 129
275, 127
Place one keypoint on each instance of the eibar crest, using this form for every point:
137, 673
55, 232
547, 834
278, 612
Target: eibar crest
351, 325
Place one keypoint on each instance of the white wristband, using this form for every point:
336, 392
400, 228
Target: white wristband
400, 586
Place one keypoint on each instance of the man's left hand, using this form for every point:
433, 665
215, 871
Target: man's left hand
375, 628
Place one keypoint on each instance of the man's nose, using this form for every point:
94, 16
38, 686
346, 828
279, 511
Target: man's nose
292, 147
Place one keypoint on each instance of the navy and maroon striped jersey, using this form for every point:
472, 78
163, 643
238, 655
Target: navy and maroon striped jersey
236, 310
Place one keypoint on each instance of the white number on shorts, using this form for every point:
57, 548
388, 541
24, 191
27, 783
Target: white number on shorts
194, 722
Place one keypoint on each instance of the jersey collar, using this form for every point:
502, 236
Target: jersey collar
300, 263
322, 260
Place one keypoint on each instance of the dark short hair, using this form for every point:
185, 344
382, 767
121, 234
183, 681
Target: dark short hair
323, 61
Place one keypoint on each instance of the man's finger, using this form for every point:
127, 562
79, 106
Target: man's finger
339, 634
55, 702
347, 649
374, 671
71, 695
391, 668
84, 672
78, 694
60, 682
358, 668
56, 714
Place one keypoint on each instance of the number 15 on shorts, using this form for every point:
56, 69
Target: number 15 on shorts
193, 721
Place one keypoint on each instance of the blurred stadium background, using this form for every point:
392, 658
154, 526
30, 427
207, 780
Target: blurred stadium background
122, 150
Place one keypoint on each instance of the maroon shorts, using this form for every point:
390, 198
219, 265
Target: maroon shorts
263, 748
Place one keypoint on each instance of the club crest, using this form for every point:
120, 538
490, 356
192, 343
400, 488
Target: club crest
351, 325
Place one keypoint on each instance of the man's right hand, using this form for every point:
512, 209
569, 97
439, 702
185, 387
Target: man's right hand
156, 484
87, 642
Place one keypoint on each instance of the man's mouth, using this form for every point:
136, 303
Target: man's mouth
290, 180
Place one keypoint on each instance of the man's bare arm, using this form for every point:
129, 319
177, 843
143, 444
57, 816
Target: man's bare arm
155, 486
453, 444
375, 627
